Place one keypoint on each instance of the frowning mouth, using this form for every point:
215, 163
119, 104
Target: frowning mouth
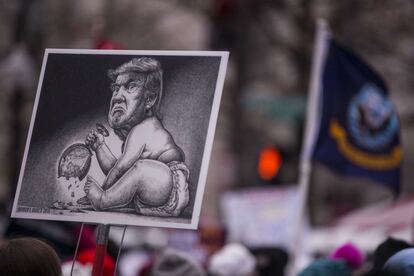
118, 108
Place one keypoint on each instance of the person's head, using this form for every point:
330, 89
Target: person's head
350, 253
136, 92
383, 252
173, 262
271, 260
387, 249
232, 259
28, 256
401, 263
327, 267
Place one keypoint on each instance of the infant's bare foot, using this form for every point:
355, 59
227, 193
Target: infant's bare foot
83, 201
94, 192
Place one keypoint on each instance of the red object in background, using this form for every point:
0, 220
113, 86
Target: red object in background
147, 269
225, 8
107, 44
87, 240
269, 164
87, 256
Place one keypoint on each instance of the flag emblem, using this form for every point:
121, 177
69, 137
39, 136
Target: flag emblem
372, 119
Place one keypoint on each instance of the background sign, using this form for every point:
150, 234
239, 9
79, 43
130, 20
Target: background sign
261, 217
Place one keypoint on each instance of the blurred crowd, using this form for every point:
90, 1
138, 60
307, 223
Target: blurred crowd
213, 256
145, 251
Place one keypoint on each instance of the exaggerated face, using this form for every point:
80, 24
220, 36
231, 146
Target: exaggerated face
127, 107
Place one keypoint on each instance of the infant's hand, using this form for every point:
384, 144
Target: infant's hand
94, 140
93, 192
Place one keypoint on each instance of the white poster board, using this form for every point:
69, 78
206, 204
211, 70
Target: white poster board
261, 217
121, 137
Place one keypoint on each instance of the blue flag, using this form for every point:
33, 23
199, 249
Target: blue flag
359, 128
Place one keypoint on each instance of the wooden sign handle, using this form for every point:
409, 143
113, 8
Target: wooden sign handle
101, 243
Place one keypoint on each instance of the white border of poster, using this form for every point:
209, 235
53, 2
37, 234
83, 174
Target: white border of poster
75, 98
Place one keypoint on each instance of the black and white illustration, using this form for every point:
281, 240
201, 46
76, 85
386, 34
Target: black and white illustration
121, 137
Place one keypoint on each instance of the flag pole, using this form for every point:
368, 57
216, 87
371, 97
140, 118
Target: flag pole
101, 243
310, 135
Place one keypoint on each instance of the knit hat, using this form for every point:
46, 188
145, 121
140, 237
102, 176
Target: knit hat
349, 253
401, 264
326, 267
176, 263
232, 259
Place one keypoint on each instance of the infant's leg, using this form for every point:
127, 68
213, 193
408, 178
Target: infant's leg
150, 180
